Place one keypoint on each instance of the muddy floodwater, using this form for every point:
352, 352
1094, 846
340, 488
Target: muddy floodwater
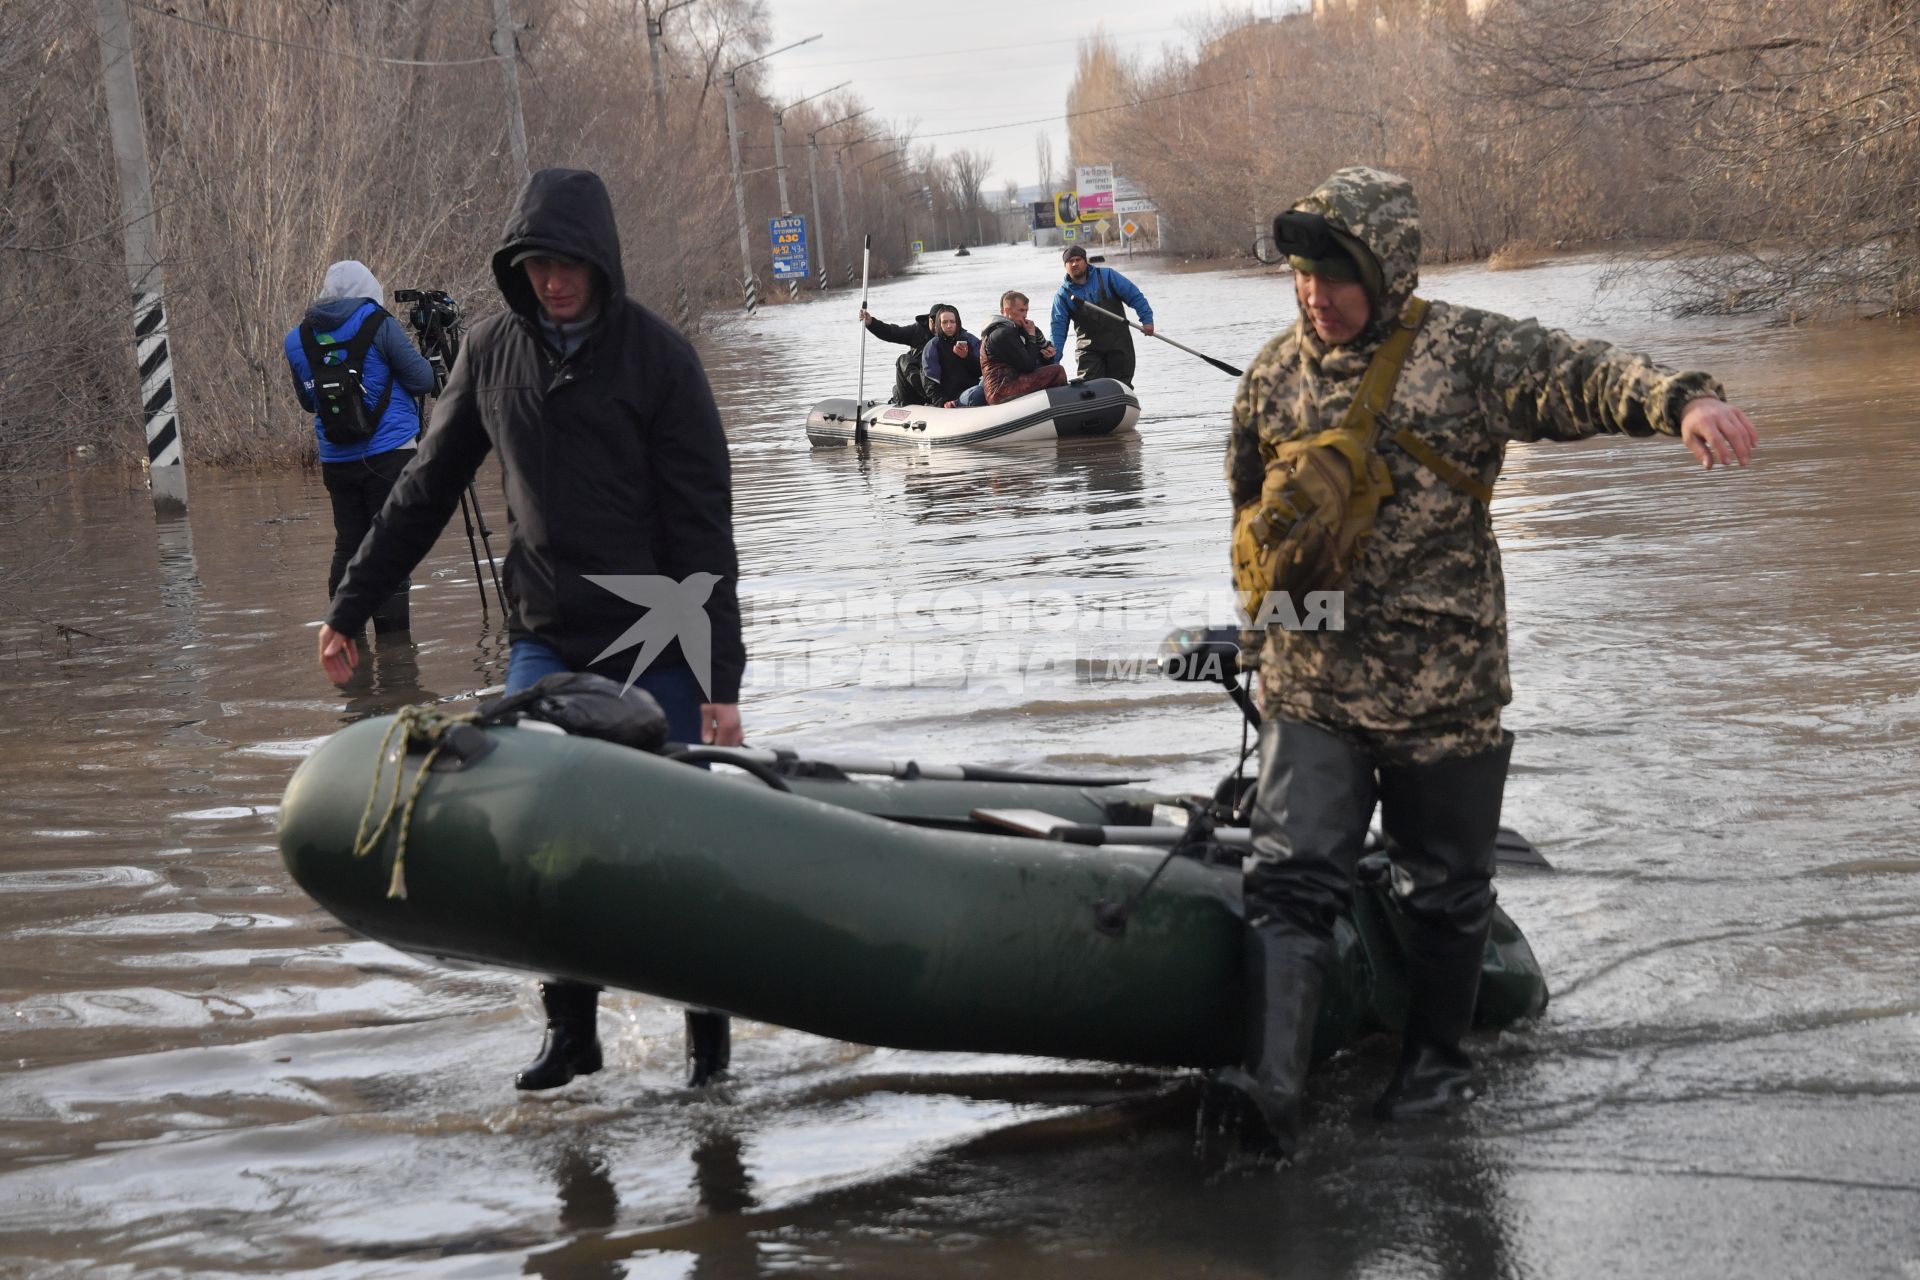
1718, 712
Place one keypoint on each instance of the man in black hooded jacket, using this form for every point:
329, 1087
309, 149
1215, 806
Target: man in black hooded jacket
614, 464
908, 386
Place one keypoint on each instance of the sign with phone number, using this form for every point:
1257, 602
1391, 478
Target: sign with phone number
789, 247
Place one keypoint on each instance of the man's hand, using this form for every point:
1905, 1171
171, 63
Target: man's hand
864, 317
1047, 352
951, 404
339, 655
720, 724
1714, 430
1147, 329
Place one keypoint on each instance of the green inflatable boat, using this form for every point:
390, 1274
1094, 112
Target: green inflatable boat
904, 911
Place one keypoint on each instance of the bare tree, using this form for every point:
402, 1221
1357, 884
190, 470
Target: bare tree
964, 172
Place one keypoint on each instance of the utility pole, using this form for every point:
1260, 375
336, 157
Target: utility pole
682, 304
166, 460
1259, 227
813, 181
748, 283
508, 49
840, 179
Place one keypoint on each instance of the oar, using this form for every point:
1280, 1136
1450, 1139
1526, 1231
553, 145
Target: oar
1221, 365
785, 761
860, 399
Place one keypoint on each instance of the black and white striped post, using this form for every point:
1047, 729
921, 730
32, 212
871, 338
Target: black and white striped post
166, 459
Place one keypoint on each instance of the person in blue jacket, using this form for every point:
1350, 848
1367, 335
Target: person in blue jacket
359, 475
1103, 348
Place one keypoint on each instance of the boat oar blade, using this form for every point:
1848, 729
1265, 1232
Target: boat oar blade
1511, 849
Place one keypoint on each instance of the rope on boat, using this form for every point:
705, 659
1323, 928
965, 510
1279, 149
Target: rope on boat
413, 725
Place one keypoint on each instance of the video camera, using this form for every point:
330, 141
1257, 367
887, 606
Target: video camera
435, 318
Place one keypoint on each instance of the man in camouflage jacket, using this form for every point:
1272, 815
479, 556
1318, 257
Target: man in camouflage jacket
1402, 706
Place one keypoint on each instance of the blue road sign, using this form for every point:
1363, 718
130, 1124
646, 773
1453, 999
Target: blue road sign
789, 247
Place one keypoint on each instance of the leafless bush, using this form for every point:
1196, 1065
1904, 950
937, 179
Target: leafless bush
285, 135
1780, 136
1790, 130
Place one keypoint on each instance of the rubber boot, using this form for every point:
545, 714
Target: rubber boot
709, 1047
1443, 819
395, 613
572, 1046
1435, 1075
1286, 973
1307, 814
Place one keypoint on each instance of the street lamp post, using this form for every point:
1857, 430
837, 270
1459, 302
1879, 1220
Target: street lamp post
780, 141
653, 52
747, 282
780, 168
840, 179
813, 180
860, 172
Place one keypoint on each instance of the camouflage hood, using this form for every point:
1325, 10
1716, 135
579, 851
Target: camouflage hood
1374, 212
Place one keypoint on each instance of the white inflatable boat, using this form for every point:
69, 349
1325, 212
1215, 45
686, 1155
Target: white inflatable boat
1097, 407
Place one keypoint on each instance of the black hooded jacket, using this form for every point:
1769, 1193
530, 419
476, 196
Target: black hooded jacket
613, 459
913, 336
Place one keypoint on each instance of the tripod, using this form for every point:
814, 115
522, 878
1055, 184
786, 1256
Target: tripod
436, 331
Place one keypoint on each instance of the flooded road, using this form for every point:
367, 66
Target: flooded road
1717, 703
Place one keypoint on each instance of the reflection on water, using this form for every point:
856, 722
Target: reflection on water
1717, 709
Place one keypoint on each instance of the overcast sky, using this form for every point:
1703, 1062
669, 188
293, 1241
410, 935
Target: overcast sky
967, 65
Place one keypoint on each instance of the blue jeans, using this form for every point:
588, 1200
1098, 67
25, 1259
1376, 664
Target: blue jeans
973, 397
674, 688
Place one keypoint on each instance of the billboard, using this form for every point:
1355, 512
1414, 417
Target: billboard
1066, 208
1096, 191
789, 247
1043, 215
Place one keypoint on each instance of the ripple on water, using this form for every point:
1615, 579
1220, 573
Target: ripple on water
228, 812
64, 879
163, 923
296, 749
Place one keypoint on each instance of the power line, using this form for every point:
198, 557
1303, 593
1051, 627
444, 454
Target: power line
1074, 115
990, 48
312, 48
